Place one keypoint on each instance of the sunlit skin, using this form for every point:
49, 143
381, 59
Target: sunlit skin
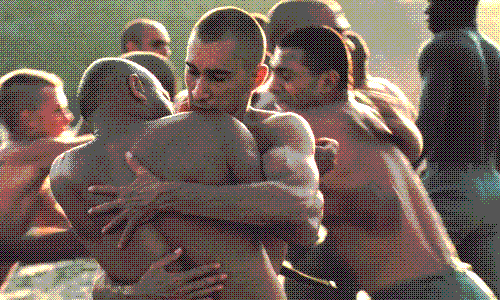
357, 215
156, 40
49, 121
215, 81
291, 81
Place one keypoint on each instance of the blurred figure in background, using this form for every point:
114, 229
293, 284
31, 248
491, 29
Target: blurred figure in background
459, 121
145, 35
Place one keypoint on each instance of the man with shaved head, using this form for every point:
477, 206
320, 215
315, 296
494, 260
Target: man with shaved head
290, 15
212, 166
145, 35
384, 235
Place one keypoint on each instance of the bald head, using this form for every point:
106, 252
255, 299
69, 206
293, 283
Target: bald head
159, 66
108, 76
290, 15
145, 35
231, 23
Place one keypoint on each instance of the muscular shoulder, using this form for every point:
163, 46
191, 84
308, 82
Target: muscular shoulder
274, 129
66, 166
363, 122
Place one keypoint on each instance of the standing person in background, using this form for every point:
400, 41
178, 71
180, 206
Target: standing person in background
145, 35
459, 121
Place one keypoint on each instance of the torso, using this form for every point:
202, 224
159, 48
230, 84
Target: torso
192, 153
374, 230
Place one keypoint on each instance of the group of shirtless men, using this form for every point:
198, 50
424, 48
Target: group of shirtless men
231, 187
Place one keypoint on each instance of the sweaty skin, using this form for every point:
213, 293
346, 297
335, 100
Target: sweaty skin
189, 147
381, 219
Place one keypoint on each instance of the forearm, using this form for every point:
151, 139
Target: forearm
264, 204
255, 204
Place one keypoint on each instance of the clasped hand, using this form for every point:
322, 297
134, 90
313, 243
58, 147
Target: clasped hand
138, 200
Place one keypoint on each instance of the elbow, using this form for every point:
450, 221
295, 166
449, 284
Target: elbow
306, 218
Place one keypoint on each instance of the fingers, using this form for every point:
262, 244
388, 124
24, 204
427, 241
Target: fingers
203, 283
205, 292
134, 164
199, 272
167, 260
106, 207
132, 224
108, 190
124, 215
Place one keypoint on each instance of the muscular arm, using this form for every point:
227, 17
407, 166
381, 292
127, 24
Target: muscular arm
289, 197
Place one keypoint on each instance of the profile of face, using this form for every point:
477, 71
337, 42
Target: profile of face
53, 117
291, 81
215, 79
156, 39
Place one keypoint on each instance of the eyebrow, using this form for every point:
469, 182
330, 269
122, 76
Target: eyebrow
211, 71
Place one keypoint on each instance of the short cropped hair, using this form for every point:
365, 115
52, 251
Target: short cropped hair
102, 75
289, 15
134, 31
327, 52
229, 22
161, 68
20, 91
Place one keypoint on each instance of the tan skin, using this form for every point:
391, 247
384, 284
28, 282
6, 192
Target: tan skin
384, 227
155, 39
387, 204
25, 161
217, 81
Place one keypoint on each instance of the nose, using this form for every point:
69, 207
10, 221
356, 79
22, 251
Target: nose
275, 85
200, 91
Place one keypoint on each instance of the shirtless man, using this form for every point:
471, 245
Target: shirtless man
395, 108
286, 207
145, 35
33, 108
287, 16
383, 229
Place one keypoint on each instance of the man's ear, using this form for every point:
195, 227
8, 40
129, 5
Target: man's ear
261, 75
27, 117
137, 88
328, 81
131, 46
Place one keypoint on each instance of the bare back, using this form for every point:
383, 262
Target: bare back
203, 148
381, 219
